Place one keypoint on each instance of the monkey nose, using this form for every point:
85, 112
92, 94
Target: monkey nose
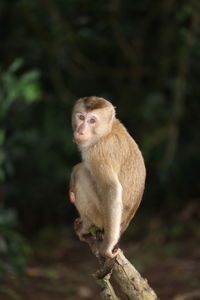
81, 132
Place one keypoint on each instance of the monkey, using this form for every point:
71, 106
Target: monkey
108, 185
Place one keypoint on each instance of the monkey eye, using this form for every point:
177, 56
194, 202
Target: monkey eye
81, 117
92, 121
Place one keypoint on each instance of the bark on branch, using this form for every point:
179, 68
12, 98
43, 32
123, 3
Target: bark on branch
117, 274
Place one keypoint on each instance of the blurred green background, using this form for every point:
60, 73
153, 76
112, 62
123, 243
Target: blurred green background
143, 56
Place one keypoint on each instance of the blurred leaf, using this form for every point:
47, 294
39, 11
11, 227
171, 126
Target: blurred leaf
25, 86
18, 62
30, 76
31, 92
7, 217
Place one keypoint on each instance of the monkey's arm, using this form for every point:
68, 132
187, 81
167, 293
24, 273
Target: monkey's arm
71, 189
72, 183
111, 197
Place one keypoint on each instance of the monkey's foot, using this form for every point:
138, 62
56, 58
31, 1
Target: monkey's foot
116, 251
106, 252
113, 253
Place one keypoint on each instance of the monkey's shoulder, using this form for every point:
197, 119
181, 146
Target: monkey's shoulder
118, 143
122, 136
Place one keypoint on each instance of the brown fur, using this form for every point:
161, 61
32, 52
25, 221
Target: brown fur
111, 162
120, 153
93, 102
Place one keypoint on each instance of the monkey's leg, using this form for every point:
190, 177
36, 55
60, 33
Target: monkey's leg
86, 200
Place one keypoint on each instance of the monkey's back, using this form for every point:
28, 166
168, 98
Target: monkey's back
132, 172
119, 150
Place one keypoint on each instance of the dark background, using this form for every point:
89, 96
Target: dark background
144, 57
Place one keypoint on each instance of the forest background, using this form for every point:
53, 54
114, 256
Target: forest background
143, 56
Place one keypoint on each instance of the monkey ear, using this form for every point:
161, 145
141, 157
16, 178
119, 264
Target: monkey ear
113, 113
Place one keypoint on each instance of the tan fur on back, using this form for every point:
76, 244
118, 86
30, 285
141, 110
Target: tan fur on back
120, 151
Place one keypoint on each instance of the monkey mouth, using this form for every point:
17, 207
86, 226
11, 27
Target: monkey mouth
81, 141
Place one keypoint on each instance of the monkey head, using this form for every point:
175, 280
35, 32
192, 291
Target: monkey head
91, 119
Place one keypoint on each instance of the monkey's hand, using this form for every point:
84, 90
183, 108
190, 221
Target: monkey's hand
72, 194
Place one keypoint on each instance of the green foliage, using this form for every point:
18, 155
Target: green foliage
13, 248
24, 87
13, 87
34, 142
142, 57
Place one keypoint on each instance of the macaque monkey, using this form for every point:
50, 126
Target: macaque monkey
107, 186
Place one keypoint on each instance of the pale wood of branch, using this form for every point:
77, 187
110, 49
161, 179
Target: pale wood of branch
120, 271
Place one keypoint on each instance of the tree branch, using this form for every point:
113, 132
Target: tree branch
119, 271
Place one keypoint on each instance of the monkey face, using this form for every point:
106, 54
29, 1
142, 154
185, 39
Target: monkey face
86, 123
92, 119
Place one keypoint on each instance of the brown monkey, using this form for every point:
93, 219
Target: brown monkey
108, 185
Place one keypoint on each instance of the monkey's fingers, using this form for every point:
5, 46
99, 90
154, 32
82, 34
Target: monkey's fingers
113, 253
72, 194
116, 251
